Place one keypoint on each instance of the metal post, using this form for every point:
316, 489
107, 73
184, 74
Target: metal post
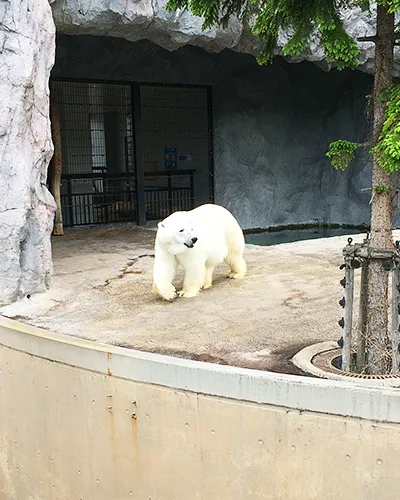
210, 146
191, 190
71, 208
348, 316
362, 321
395, 319
138, 156
170, 205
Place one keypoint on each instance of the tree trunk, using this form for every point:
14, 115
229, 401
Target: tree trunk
56, 167
378, 361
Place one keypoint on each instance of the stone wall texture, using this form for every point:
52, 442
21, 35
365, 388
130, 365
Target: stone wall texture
148, 20
27, 37
272, 125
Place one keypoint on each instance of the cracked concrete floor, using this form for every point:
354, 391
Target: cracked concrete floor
102, 291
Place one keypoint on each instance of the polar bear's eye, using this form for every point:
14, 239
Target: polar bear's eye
181, 231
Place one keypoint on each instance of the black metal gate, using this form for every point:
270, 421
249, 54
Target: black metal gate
132, 152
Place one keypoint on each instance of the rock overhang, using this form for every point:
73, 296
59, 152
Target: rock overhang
149, 20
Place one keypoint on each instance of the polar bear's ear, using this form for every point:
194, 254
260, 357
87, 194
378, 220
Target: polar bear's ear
160, 224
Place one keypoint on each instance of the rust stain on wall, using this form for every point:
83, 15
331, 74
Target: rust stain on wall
109, 358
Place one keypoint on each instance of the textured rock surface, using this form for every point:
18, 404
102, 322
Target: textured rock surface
26, 207
148, 19
276, 173
138, 20
272, 125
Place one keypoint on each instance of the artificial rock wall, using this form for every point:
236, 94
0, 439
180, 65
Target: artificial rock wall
27, 37
148, 20
272, 125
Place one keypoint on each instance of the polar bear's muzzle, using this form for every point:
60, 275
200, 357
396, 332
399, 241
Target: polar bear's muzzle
191, 243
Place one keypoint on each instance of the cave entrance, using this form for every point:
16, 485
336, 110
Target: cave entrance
132, 152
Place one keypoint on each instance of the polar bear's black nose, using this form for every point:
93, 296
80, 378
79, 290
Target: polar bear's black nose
194, 240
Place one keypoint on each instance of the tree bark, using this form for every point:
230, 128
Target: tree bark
56, 167
377, 341
362, 315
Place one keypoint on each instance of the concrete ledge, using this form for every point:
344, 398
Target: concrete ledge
333, 397
86, 420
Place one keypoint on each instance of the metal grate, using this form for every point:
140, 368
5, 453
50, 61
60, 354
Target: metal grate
98, 199
162, 201
105, 143
175, 131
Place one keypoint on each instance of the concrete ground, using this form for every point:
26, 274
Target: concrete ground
102, 291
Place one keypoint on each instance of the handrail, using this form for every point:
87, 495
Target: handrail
90, 175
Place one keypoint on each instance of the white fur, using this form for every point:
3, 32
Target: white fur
219, 238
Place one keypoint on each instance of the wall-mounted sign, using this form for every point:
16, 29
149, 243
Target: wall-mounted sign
170, 158
185, 157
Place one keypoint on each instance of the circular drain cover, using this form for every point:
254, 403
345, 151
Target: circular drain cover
329, 361
322, 360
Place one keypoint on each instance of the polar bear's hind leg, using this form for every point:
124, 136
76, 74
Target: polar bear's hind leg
235, 246
237, 264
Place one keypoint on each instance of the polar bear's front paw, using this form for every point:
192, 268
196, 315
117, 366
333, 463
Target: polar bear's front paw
188, 294
166, 291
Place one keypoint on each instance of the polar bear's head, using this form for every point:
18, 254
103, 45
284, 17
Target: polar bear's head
176, 233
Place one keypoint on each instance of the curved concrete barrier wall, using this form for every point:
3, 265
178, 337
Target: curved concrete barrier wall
80, 420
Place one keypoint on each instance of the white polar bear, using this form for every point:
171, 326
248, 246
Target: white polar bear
197, 240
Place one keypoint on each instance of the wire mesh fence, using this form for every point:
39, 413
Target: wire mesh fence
129, 149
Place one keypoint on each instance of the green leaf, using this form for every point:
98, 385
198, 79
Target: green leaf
387, 149
298, 18
341, 153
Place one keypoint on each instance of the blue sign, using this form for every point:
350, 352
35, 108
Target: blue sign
170, 158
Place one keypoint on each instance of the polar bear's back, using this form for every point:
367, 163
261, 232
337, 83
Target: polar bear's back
215, 215
220, 227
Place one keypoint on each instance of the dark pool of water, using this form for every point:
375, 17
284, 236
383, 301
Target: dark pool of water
288, 235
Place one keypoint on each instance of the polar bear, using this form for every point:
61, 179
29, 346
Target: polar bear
196, 240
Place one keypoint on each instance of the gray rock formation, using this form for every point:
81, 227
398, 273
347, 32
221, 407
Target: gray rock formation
148, 19
26, 207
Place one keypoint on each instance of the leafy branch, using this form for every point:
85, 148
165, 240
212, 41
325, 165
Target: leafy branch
387, 149
268, 17
342, 153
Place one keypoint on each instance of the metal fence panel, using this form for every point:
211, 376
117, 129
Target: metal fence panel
100, 160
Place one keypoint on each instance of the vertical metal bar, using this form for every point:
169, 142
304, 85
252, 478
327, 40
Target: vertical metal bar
362, 317
138, 156
126, 151
71, 209
80, 206
348, 317
91, 212
191, 190
170, 206
210, 145
395, 319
